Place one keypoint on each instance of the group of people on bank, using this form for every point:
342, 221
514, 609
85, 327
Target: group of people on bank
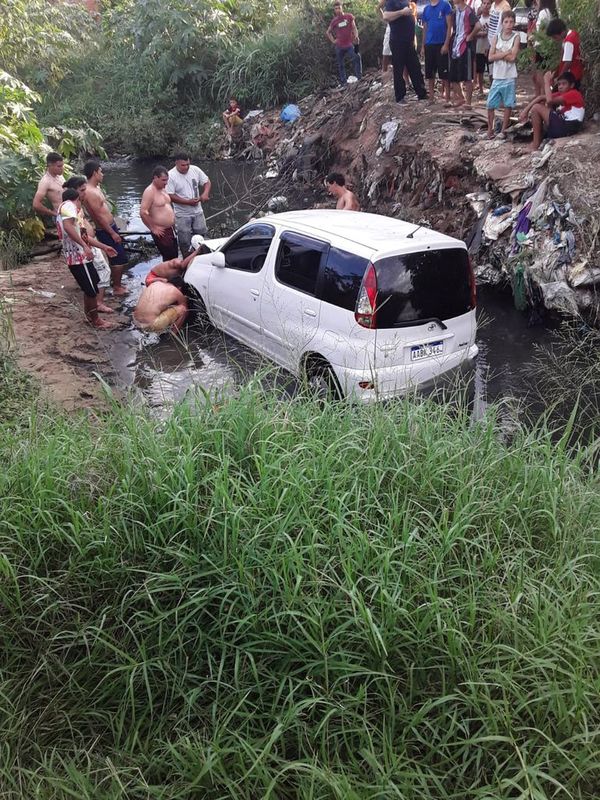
463, 40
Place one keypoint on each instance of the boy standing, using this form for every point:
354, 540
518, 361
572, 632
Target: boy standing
437, 27
343, 34
497, 9
465, 28
503, 55
79, 256
570, 58
560, 113
482, 45
50, 187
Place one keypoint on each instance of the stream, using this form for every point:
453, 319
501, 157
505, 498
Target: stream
164, 368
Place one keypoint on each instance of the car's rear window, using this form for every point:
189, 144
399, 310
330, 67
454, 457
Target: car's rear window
416, 286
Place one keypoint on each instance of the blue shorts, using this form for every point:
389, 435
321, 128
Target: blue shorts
121, 259
503, 93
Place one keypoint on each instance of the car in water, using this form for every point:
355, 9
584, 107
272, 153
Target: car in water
358, 305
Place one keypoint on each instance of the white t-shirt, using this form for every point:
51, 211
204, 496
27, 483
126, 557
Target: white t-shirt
72, 250
188, 186
494, 25
505, 70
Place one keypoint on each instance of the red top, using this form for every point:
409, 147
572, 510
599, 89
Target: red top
571, 104
571, 56
341, 27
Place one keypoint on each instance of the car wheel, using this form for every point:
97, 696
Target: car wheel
321, 384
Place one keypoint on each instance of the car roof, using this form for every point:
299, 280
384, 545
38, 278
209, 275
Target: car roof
373, 231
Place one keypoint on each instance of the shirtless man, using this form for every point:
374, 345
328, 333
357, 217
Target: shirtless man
161, 306
106, 229
50, 187
335, 183
157, 214
175, 268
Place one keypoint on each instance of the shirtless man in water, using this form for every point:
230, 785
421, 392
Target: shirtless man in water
161, 305
157, 214
106, 229
50, 187
335, 183
175, 267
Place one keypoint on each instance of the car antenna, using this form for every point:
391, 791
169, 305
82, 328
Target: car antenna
412, 233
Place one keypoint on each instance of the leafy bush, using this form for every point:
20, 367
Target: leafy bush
585, 19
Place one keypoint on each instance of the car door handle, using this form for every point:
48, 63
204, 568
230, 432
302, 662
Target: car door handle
255, 292
309, 312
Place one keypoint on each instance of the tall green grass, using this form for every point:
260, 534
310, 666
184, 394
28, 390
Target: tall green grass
277, 600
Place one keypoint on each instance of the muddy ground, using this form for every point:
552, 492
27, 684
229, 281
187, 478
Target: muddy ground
421, 168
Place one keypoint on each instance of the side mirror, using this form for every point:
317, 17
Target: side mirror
213, 259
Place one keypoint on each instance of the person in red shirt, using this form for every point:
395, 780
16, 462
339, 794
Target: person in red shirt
570, 58
555, 114
343, 34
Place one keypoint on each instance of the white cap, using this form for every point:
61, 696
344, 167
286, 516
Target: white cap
197, 241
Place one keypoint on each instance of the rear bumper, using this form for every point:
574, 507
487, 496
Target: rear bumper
389, 382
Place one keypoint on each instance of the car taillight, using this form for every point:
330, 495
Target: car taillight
366, 305
473, 284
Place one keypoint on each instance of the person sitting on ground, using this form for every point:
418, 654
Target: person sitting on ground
101, 252
232, 116
437, 28
161, 306
503, 55
570, 57
77, 251
156, 211
335, 183
465, 27
555, 114
50, 187
343, 34
107, 232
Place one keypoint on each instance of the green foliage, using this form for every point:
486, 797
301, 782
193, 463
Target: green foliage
273, 600
585, 19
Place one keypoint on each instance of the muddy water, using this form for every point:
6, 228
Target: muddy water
164, 368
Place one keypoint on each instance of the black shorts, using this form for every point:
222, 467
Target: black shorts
86, 277
559, 127
435, 62
481, 63
121, 259
461, 68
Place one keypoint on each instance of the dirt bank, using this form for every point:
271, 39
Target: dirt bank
54, 344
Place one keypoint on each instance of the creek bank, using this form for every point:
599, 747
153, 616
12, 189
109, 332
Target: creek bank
530, 220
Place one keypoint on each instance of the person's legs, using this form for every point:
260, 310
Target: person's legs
184, 234
357, 62
506, 119
540, 114
491, 115
117, 263
431, 67
199, 226
166, 244
87, 280
398, 60
414, 70
340, 53
103, 270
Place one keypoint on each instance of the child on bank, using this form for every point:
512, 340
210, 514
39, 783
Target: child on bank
482, 46
465, 28
232, 116
503, 54
555, 114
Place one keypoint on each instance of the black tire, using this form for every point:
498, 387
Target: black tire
320, 383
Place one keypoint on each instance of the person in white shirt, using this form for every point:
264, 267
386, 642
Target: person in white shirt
188, 187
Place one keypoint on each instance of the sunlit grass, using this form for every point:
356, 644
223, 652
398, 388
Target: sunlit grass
276, 599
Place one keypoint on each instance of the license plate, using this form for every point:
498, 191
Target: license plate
421, 351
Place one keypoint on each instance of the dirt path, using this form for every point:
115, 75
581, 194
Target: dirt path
54, 343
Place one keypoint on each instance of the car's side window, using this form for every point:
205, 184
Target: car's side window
299, 260
342, 278
248, 251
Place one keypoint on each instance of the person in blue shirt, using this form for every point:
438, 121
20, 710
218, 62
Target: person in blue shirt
399, 15
437, 28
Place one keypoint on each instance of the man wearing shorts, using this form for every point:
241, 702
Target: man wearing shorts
106, 228
188, 188
437, 27
555, 114
157, 214
465, 28
162, 305
79, 256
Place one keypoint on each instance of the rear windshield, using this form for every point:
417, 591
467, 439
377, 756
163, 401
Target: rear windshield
416, 286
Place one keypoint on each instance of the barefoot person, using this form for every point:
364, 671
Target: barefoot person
78, 255
48, 196
335, 183
161, 305
157, 214
106, 228
555, 114
167, 270
503, 54
102, 252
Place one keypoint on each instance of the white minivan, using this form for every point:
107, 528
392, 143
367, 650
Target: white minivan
359, 305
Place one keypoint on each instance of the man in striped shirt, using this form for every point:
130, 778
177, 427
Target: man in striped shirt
494, 25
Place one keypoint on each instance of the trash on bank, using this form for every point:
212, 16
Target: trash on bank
290, 113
